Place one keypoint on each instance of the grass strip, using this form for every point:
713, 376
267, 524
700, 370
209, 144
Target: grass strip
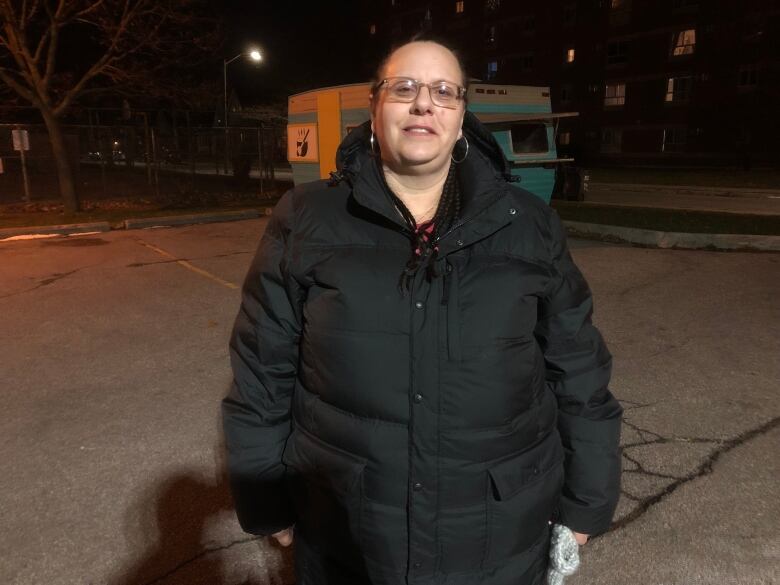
738, 178
669, 220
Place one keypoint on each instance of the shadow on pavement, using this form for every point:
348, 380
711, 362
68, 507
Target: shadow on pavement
175, 524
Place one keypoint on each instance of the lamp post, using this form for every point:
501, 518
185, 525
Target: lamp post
255, 56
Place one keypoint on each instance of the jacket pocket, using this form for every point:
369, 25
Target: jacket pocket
522, 494
462, 534
326, 485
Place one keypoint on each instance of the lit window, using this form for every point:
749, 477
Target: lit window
678, 89
492, 70
684, 42
615, 94
372, 29
619, 12
460, 7
570, 55
564, 138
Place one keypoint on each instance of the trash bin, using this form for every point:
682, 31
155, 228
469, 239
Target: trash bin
571, 183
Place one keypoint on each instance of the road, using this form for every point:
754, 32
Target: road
114, 358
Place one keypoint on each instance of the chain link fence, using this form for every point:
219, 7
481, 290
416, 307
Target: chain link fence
165, 159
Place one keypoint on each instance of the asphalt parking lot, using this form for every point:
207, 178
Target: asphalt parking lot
114, 357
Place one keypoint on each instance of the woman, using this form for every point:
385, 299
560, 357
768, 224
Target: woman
418, 387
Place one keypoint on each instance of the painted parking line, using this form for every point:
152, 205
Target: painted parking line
188, 265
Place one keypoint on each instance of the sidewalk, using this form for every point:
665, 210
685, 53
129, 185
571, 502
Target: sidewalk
612, 233
689, 189
688, 197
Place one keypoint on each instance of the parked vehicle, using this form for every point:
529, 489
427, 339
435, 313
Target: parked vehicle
519, 116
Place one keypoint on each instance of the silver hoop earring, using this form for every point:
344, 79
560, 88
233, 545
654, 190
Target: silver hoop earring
373, 150
466, 140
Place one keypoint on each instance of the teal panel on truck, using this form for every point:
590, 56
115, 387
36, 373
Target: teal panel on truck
352, 118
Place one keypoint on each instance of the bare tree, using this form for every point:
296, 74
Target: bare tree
54, 52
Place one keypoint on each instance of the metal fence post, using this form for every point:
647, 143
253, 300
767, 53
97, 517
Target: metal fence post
146, 149
156, 164
260, 159
25, 179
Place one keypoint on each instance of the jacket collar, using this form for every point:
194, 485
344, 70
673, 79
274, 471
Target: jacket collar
484, 176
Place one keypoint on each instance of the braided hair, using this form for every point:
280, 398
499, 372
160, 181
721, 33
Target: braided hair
424, 250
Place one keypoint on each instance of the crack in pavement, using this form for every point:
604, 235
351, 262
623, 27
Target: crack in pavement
200, 555
660, 439
639, 469
45, 282
635, 405
173, 261
704, 469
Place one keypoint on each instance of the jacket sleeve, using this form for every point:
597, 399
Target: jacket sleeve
578, 368
264, 358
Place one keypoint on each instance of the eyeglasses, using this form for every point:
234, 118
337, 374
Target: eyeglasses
403, 89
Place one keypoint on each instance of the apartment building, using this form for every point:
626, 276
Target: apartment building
671, 82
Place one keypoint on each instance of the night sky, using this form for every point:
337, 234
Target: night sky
305, 44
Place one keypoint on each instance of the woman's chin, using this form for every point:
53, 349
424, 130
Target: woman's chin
418, 159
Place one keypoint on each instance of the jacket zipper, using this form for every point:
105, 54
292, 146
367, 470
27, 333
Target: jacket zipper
449, 300
465, 221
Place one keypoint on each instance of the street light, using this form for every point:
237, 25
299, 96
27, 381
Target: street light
255, 56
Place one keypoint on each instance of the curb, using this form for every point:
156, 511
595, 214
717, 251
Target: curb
137, 223
657, 239
72, 228
680, 240
195, 218
688, 190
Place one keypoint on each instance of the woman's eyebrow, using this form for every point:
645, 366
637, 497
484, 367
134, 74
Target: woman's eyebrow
439, 80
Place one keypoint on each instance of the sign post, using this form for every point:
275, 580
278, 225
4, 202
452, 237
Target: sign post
21, 141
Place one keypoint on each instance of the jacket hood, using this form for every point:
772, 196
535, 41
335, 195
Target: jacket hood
355, 151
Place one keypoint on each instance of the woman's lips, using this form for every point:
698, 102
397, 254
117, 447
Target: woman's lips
419, 131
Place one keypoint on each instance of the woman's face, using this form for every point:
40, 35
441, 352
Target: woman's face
418, 137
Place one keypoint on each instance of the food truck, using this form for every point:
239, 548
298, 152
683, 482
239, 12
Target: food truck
519, 116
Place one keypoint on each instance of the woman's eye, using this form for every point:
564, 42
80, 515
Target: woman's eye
403, 89
444, 91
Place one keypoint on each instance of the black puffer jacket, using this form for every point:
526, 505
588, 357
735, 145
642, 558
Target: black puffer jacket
427, 438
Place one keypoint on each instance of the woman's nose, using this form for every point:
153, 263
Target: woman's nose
422, 103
